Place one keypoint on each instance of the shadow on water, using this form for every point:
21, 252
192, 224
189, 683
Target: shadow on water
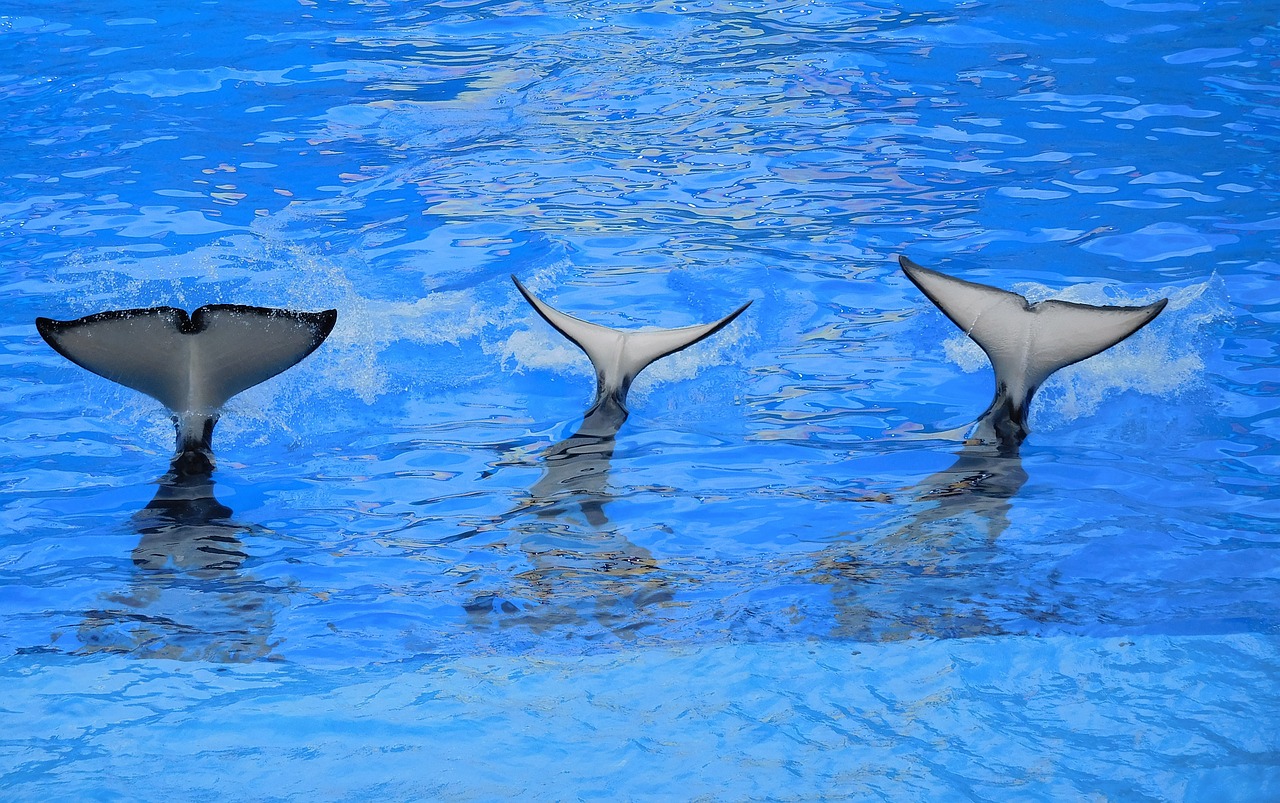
581, 571
928, 574
187, 598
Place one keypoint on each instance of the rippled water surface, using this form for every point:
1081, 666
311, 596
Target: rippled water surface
778, 585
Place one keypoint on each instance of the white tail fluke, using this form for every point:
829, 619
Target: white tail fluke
1025, 342
190, 364
619, 356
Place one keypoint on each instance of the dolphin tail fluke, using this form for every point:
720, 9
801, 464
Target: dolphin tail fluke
619, 356
190, 364
1025, 342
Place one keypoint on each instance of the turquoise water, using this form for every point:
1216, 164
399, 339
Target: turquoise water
783, 587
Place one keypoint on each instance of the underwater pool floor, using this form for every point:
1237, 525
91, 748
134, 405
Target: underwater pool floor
982, 718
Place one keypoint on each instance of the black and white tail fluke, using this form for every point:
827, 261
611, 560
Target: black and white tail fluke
190, 364
1025, 342
619, 356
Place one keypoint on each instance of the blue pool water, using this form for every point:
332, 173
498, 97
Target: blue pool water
780, 589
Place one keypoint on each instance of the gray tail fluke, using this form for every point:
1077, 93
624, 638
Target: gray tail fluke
619, 356
190, 364
1025, 342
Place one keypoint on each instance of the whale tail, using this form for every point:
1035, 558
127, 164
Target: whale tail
190, 364
619, 356
1025, 342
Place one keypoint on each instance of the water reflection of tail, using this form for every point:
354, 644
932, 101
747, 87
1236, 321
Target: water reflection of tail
185, 527
580, 569
980, 483
187, 598
576, 469
929, 574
